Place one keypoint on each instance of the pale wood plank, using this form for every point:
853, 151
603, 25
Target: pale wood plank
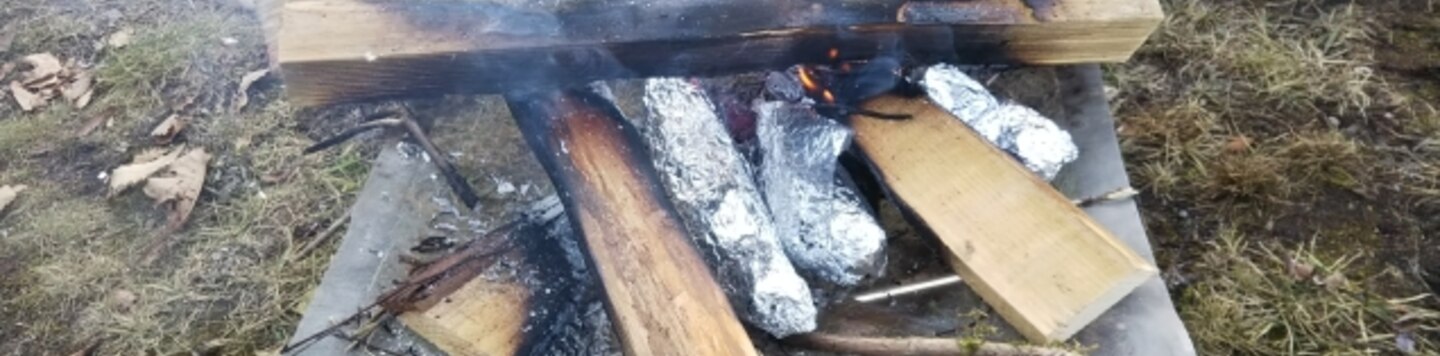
1043, 264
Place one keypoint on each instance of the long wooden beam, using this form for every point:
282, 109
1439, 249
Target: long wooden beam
1041, 262
662, 298
346, 50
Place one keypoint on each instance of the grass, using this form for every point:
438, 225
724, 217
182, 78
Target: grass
1262, 131
231, 282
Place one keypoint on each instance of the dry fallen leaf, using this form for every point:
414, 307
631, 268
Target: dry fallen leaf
146, 164
167, 129
245, 83
120, 38
1300, 271
28, 100
1237, 144
79, 88
41, 65
8, 194
180, 186
123, 299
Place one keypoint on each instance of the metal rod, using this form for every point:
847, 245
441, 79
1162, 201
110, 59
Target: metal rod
908, 289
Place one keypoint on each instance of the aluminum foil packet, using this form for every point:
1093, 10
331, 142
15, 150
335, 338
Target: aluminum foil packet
715, 194
823, 224
1031, 138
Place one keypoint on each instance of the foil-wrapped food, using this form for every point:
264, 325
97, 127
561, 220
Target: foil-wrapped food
715, 194
824, 225
1031, 138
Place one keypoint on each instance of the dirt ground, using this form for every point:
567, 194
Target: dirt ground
1288, 152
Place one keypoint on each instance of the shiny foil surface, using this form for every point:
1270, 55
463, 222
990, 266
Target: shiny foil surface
714, 191
823, 224
1031, 138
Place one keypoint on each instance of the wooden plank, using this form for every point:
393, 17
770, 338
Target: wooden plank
1041, 262
347, 50
485, 317
662, 298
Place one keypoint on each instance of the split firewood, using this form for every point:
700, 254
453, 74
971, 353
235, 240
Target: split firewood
661, 295
918, 346
1086, 270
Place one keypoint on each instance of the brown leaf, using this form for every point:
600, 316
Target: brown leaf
27, 99
245, 83
8, 194
120, 38
1237, 144
146, 164
179, 186
123, 299
80, 83
94, 122
166, 131
1300, 271
41, 65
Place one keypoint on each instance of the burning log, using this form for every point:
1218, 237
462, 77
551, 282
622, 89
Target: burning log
824, 226
1022, 246
537, 298
715, 194
662, 297
350, 50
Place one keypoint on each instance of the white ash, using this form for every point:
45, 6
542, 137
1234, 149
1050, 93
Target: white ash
1031, 138
715, 194
823, 224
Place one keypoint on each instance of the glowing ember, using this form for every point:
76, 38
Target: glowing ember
829, 97
834, 53
808, 81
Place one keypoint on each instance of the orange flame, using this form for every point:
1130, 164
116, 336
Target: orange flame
807, 81
829, 97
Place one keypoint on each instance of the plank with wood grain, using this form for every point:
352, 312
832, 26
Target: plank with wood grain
334, 51
662, 298
1030, 253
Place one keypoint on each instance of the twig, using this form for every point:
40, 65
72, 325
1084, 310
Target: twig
1114, 195
428, 284
917, 346
457, 183
322, 237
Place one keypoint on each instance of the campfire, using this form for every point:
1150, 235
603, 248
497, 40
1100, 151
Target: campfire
739, 206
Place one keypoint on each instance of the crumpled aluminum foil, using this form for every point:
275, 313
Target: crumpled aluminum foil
1031, 138
823, 224
715, 194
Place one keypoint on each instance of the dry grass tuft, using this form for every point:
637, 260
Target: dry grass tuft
1263, 127
1254, 300
230, 284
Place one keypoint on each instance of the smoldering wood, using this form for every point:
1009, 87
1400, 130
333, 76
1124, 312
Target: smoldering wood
661, 296
333, 51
